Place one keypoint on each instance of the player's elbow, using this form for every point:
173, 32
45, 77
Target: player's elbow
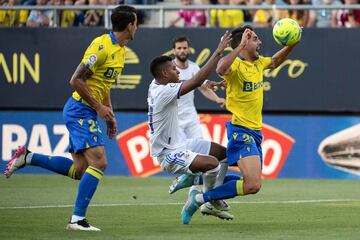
74, 82
221, 70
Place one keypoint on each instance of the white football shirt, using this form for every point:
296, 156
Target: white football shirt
163, 117
187, 111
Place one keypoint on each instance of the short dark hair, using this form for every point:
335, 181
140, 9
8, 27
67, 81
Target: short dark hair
121, 17
157, 64
236, 35
180, 39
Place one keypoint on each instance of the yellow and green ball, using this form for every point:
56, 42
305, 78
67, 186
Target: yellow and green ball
287, 32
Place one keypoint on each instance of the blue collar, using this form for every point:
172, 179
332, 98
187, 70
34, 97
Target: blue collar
113, 38
241, 57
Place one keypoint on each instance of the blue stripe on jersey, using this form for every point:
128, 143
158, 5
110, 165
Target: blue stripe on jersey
175, 160
113, 38
178, 95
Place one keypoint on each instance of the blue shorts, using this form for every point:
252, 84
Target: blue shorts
83, 126
243, 142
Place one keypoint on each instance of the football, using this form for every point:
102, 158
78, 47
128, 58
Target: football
287, 32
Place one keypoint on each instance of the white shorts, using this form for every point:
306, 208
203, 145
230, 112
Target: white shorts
179, 160
191, 130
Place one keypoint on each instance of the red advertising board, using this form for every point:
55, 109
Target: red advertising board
134, 144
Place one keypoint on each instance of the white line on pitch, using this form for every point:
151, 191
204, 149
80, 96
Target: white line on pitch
178, 203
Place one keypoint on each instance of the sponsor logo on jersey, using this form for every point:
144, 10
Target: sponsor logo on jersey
91, 60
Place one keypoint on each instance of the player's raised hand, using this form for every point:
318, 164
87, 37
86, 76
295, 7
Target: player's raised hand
222, 84
212, 85
246, 37
224, 42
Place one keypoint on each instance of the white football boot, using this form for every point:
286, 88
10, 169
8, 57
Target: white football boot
208, 209
17, 161
81, 225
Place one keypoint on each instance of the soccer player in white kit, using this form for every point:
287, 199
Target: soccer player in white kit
173, 153
189, 123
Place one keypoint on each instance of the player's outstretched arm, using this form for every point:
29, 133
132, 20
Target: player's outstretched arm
211, 95
278, 58
205, 71
224, 64
78, 81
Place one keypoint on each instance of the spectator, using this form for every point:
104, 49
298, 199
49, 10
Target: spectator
92, 17
192, 18
13, 18
301, 16
68, 16
322, 18
264, 18
347, 18
39, 18
79, 14
227, 18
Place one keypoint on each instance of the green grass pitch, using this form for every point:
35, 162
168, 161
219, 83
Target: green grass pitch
39, 206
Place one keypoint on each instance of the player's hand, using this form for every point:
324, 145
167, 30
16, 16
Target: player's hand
212, 85
224, 42
222, 84
221, 102
111, 128
105, 113
245, 37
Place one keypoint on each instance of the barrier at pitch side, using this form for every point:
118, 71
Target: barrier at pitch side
293, 147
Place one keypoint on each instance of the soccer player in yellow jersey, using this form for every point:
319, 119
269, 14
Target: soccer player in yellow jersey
242, 70
101, 65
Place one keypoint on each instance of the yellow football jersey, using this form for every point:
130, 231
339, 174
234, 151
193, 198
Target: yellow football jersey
226, 18
244, 91
106, 59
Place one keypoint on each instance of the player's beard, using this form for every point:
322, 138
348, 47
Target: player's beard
182, 58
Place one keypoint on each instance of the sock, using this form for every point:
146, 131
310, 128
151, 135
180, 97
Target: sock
227, 178
210, 178
75, 218
222, 172
225, 191
61, 165
199, 198
87, 188
231, 177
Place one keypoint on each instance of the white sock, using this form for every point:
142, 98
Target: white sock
75, 218
199, 198
28, 158
222, 173
209, 178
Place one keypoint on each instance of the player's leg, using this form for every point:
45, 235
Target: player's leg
202, 146
80, 164
244, 148
96, 159
24, 157
87, 142
250, 168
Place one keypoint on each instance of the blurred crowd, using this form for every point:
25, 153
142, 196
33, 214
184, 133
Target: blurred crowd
222, 18
229, 18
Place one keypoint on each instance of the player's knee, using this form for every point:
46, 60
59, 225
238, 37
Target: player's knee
253, 187
78, 175
212, 163
79, 171
102, 165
